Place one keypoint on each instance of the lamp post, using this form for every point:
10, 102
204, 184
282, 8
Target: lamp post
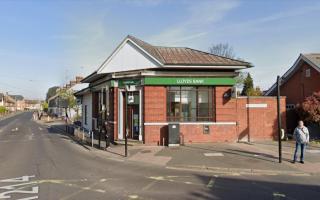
279, 119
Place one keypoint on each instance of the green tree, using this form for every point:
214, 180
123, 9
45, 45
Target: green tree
70, 100
51, 92
45, 106
3, 110
247, 86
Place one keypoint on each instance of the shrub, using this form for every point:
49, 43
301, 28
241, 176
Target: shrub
309, 110
2, 109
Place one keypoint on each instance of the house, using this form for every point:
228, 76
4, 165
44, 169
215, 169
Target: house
1, 99
172, 95
32, 104
85, 100
299, 82
9, 103
57, 104
19, 101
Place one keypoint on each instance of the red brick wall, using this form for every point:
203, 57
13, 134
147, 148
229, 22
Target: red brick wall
299, 86
225, 107
218, 133
261, 123
155, 102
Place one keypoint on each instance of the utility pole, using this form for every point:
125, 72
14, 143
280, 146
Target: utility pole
279, 119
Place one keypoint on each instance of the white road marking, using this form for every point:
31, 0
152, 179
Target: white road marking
133, 196
277, 194
40, 129
23, 182
19, 179
29, 198
213, 154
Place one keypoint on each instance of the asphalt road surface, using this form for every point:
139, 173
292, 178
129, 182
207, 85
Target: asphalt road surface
37, 162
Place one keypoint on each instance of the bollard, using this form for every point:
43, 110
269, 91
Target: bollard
91, 138
82, 135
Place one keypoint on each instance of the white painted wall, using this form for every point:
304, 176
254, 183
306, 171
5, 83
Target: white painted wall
128, 57
87, 100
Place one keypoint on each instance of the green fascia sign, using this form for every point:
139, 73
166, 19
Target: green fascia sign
189, 81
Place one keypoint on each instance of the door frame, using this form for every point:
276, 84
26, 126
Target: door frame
121, 112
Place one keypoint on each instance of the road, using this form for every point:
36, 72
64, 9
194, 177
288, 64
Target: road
38, 162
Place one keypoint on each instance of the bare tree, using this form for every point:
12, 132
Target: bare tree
222, 49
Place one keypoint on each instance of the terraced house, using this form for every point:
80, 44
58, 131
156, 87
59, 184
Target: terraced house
173, 95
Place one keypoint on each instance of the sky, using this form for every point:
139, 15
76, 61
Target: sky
45, 43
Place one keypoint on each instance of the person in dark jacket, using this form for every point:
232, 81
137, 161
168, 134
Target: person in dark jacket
301, 135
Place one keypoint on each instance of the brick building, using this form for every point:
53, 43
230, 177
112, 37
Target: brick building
148, 88
299, 82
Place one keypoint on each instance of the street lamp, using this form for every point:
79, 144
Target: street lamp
279, 119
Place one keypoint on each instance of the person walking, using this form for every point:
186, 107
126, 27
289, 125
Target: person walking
301, 136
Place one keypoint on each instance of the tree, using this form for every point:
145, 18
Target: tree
45, 106
3, 110
240, 79
222, 49
309, 110
51, 92
70, 100
247, 85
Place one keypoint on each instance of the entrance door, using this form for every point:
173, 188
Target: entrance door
133, 114
133, 121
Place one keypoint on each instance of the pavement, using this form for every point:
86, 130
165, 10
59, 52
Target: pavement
41, 162
244, 158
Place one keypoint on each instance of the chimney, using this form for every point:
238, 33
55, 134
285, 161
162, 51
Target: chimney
79, 79
72, 83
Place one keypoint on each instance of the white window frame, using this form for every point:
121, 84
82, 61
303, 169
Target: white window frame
308, 73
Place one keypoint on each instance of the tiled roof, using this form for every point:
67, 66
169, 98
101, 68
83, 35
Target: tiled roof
314, 58
17, 97
186, 56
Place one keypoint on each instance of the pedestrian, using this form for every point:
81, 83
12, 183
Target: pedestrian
301, 136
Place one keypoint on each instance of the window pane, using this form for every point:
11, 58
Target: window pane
174, 105
205, 104
189, 105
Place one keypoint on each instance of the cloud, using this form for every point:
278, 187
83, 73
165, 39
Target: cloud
199, 16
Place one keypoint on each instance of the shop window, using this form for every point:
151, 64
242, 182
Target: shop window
189, 104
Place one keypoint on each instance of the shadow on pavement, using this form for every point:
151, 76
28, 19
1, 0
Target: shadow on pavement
58, 129
239, 188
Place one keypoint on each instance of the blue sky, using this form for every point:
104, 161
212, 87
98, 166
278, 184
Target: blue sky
43, 43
